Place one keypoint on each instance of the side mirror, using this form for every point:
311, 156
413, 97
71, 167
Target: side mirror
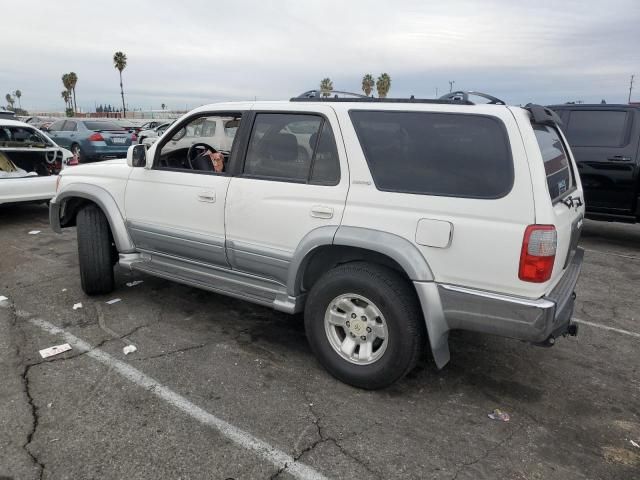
137, 156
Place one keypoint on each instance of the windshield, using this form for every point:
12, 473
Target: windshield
19, 137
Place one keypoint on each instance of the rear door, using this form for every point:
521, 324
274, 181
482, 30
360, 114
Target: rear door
64, 132
602, 142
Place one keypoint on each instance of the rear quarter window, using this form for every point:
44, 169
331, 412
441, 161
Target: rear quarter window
556, 161
440, 154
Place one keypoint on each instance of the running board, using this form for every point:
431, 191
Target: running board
228, 282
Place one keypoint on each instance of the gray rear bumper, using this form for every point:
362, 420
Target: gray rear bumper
508, 316
458, 308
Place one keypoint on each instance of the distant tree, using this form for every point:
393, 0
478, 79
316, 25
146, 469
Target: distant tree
73, 80
383, 85
163, 106
10, 101
367, 84
18, 94
326, 86
66, 82
120, 63
66, 96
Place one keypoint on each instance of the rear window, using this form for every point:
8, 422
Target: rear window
436, 153
597, 128
102, 126
556, 161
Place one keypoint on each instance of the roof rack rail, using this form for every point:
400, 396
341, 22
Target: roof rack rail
543, 115
332, 93
463, 96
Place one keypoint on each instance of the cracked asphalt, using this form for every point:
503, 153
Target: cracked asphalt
575, 408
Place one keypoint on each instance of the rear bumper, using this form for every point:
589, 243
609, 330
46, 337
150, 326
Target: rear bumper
104, 152
535, 321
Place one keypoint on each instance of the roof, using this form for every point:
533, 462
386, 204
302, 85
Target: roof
14, 123
592, 106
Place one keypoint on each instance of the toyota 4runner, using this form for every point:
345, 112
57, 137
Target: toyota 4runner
387, 222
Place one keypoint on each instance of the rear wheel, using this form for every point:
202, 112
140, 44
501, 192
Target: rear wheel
364, 324
95, 251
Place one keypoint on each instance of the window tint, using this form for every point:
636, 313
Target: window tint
56, 126
556, 161
596, 128
102, 126
325, 168
70, 126
436, 153
280, 146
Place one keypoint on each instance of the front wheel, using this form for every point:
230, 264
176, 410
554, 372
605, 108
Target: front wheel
95, 251
364, 324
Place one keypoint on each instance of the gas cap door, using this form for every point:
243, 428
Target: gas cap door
434, 233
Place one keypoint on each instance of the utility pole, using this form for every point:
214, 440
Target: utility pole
630, 88
451, 82
436, 92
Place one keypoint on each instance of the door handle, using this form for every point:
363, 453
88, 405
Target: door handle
320, 211
620, 158
208, 196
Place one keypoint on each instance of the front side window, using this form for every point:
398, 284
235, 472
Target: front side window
293, 147
556, 161
597, 128
19, 137
70, 126
200, 145
442, 154
56, 126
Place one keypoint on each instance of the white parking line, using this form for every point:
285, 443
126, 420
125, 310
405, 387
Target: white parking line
605, 327
611, 253
241, 438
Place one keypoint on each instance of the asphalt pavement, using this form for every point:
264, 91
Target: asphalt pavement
222, 389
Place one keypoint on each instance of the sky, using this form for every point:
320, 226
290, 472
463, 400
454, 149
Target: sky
188, 53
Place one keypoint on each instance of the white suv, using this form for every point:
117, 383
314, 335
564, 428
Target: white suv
388, 222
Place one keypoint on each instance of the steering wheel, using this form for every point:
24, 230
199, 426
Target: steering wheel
193, 152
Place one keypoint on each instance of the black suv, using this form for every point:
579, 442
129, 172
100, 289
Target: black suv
604, 140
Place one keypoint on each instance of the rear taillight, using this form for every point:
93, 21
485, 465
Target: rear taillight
96, 137
538, 253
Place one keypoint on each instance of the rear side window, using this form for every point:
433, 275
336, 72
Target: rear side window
597, 128
436, 153
556, 161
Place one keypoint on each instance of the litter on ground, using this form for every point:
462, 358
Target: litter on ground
64, 289
498, 414
134, 283
129, 349
3, 298
34, 232
55, 350
113, 300
77, 306
635, 444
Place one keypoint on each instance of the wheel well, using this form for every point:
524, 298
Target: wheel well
70, 209
323, 259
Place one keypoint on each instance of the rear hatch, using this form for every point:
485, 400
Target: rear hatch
563, 206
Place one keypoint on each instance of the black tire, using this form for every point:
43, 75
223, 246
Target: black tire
394, 296
95, 251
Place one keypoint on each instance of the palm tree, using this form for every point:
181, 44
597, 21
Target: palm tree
73, 79
383, 85
120, 62
66, 82
326, 86
163, 106
18, 94
367, 84
10, 100
65, 96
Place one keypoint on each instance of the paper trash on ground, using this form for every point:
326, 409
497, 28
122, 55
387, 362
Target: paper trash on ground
635, 444
113, 300
498, 414
129, 349
34, 232
3, 298
55, 350
77, 306
134, 283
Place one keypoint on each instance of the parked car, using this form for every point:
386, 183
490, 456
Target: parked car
7, 114
39, 122
91, 140
29, 163
153, 132
605, 141
409, 219
217, 131
152, 124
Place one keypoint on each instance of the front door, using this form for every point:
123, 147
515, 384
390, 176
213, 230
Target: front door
294, 179
605, 151
176, 207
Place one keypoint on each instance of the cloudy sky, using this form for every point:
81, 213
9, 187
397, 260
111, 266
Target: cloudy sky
192, 52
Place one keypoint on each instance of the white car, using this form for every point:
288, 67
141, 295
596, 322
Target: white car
153, 133
29, 163
388, 222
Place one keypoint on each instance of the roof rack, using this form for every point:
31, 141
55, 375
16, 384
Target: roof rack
315, 94
543, 115
463, 96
